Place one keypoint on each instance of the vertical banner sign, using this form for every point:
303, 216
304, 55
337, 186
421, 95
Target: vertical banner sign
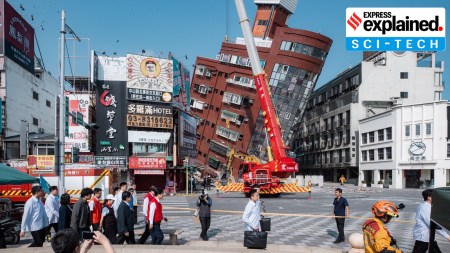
187, 135
395, 29
177, 81
111, 109
78, 135
19, 38
149, 79
186, 76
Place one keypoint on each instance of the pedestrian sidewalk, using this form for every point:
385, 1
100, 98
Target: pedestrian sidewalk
189, 247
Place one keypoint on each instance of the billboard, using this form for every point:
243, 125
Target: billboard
187, 135
149, 79
186, 76
78, 135
147, 163
109, 68
17, 36
149, 115
177, 81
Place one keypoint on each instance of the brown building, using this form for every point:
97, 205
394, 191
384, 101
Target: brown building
223, 91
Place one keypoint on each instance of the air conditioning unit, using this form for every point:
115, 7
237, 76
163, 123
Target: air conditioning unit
205, 105
238, 122
396, 101
41, 130
245, 119
207, 73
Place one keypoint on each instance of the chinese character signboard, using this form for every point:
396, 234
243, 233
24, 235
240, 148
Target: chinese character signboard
150, 109
149, 79
41, 161
148, 137
187, 135
18, 37
111, 110
111, 161
147, 163
86, 158
78, 134
67, 158
149, 172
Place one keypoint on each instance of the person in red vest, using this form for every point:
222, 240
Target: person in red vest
156, 216
96, 209
146, 211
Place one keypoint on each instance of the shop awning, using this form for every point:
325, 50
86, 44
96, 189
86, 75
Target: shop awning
10, 175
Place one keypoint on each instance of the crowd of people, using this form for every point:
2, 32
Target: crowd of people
112, 218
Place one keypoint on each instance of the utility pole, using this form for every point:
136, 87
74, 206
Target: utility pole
61, 132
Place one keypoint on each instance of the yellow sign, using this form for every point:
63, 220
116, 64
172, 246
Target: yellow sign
149, 121
41, 161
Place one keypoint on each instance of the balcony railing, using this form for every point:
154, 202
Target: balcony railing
248, 85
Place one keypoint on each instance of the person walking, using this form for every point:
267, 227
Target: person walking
125, 220
252, 213
122, 188
421, 232
52, 211
65, 213
204, 203
342, 179
131, 204
135, 202
95, 207
108, 221
376, 237
80, 220
340, 209
34, 217
156, 216
146, 211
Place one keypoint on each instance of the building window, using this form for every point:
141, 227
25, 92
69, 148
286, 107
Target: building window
389, 133
403, 75
340, 119
35, 95
232, 98
389, 153
417, 129
263, 22
372, 155
407, 131
48, 104
364, 138
381, 135
381, 154
371, 137
347, 118
45, 149
428, 128
227, 133
35, 122
403, 94
448, 150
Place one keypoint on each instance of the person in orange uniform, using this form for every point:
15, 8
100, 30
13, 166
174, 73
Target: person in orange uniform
377, 238
96, 209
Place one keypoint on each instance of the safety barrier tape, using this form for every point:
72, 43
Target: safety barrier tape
239, 187
8, 193
287, 214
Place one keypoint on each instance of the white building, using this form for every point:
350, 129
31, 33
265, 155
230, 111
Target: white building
327, 137
406, 147
26, 97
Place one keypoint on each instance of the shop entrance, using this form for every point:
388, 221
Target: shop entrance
412, 178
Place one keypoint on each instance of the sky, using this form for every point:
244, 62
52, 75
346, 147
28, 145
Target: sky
187, 28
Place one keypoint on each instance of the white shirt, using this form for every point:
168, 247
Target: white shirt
34, 217
421, 230
152, 211
252, 216
145, 207
117, 202
52, 209
135, 198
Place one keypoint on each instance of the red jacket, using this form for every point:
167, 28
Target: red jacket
96, 214
150, 197
158, 217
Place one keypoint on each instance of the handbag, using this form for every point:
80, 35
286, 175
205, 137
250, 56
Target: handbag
255, 239
196, 212
265, 224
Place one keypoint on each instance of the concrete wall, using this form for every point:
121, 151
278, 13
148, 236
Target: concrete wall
20, 104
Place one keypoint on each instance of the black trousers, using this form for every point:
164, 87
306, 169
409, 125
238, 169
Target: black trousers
422, 247
54, 226
111, 233
157, 234
145, 235
38, 237
95, 227
135, 209
340, 222
205, 222
129, 239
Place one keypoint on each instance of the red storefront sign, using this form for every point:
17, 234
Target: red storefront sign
158, 163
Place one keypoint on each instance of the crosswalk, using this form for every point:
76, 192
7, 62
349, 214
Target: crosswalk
176, 206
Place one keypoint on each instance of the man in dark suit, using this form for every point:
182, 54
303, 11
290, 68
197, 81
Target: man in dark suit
125, 220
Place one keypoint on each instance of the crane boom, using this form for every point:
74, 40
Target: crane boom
271, 122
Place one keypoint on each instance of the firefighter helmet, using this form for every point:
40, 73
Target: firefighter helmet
383, 207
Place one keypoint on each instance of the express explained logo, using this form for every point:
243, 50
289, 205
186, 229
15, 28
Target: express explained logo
386, 22
395, 29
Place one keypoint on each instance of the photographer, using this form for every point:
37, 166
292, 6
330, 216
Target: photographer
204, 203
